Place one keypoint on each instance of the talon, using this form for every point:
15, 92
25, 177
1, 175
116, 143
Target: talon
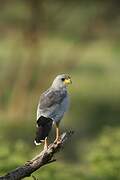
57, 141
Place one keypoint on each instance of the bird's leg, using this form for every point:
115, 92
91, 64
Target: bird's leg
57, 140
46, 144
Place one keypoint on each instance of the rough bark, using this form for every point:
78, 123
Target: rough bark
45, 157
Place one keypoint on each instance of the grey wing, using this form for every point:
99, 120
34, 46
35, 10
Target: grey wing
50, 102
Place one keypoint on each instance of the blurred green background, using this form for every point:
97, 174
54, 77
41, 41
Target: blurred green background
40, 39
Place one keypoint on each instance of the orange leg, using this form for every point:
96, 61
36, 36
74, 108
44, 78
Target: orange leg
57, 139
46, 144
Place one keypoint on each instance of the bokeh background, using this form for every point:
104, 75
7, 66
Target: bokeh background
40, 39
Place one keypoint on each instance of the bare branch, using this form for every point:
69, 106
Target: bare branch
45, 157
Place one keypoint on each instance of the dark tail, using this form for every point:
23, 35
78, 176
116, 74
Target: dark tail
43, 129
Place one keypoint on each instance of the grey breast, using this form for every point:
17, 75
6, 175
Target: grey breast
53, 104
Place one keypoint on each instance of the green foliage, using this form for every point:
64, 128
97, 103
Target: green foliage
12, 155
103, 158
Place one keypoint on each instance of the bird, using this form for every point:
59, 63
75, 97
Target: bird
53, 103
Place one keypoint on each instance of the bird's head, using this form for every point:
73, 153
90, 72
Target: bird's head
61, 81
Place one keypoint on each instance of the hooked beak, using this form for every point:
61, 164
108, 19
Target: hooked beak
68, 81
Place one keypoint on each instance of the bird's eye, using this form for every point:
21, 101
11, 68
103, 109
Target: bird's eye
63, 79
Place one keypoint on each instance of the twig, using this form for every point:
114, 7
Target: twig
45, 157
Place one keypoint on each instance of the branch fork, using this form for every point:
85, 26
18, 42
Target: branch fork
45, 157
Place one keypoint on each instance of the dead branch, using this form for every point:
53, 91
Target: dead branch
45, 157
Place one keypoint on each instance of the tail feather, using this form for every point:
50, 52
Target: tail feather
43, 129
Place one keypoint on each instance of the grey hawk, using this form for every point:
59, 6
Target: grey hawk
52, 105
